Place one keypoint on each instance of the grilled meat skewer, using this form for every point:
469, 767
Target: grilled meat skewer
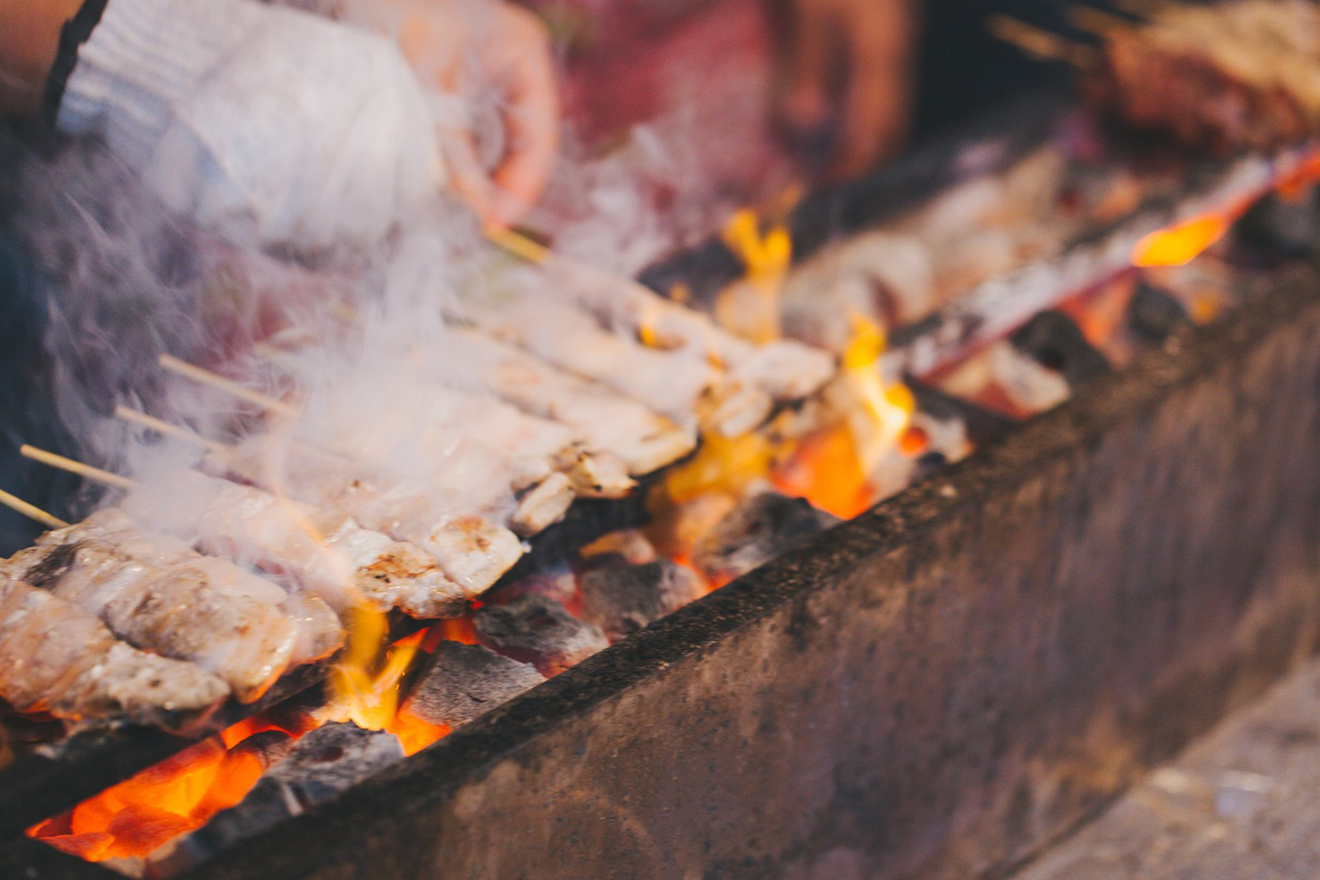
328, 553
605, 419
472, 551
169, 611
57, 657
320, 633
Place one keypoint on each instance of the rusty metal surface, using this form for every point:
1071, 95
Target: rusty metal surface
931, 690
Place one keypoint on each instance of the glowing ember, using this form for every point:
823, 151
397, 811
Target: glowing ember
827, 472
137, 816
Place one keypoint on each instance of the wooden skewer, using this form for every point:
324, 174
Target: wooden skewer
519, 245
1040, 43
214, 380
1146, 9
59, 462
134, 417
534, 252
1097, 21
31, 511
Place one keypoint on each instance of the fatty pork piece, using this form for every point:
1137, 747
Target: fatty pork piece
57, 657
327, 553
446, 556
644, 440
171, 611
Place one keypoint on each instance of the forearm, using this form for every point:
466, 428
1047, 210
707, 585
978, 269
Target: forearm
29, 42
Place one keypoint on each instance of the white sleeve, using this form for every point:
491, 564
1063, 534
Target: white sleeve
271, 125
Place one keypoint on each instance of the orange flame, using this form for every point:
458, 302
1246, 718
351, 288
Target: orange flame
1180, 244
885, 410
751, 309
135, 817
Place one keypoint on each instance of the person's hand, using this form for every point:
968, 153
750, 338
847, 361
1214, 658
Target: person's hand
268, 125
496, 56
844, 79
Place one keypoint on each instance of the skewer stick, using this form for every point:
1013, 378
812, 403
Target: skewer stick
534, 252
141, 419
1097, 21
1040, 43
214, 380
59, 462
31, 511
1147, 9
519, 245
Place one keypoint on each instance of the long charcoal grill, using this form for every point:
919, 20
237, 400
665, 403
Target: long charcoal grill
933, 689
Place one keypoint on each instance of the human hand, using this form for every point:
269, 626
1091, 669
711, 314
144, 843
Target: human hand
844, 78
489, 51
273, 127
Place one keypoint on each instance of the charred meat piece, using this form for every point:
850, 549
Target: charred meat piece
458, 682
57, 657
622, 598
758, 530
539, 631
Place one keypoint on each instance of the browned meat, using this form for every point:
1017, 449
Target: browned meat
57, 657
173, 612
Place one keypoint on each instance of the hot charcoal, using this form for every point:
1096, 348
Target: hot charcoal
982, 425
459, 682
1154, 313
536, 630
622, 597
319, 766
1053, 340
1280, 227
757, 531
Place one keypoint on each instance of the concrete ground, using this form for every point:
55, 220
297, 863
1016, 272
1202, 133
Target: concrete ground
1242, 803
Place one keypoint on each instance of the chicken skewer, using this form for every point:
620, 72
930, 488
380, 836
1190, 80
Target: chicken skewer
642, 439
329, 555
320, 633
682, 385
1224, 76
172, 612
470, 549
57, 657
785, 369
537, 447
